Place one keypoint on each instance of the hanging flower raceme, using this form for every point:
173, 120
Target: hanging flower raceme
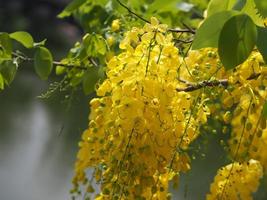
244, 100
236, 181
248, 137
140, 126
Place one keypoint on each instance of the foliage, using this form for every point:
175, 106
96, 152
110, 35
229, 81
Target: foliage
157, 87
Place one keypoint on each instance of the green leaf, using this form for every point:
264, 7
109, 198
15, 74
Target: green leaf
43, 62
1, 82
262, 42
74, 5
5, 43
237, 39
261, 6
216, 6
250, 9
264, 110
76, 79
24, 38
89, 80
100, 45
161, 6
8, 70
60, 70
94, 45
102, 73
208, 33
239, 4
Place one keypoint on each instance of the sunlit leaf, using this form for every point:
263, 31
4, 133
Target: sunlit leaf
250, 9
261, 6
208, 33
162, 6
60, 70
5, 43
43, 62
95, 45
8, 70
216, 6
23, 37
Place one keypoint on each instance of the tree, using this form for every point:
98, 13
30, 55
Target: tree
159, 90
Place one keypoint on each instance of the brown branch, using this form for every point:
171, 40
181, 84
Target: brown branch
177, 30
183, 41
196, 86
209, 83
188, 27
27, 59
254, 76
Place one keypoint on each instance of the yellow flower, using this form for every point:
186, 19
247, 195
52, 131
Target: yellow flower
138, 119
115, 26
236, 181
110, 40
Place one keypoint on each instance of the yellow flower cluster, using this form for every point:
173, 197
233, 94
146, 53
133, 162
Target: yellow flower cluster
249, 133
236, 181
202, 65
140, 126
145, 118
115, 26
243, 101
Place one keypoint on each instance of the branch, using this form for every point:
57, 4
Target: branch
196, 86
68, 65
133, 13
183, 41
93, 62
27, 59
209, 83
175, 30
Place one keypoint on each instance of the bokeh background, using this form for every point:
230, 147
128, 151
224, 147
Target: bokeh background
39, 137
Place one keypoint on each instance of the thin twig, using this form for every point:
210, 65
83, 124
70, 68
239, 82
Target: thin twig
27, 59
93, 62
183, 41
185, 81
68, 65
175, 30
188, 27
133, 13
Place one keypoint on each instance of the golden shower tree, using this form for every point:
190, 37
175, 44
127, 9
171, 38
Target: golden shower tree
157, 88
